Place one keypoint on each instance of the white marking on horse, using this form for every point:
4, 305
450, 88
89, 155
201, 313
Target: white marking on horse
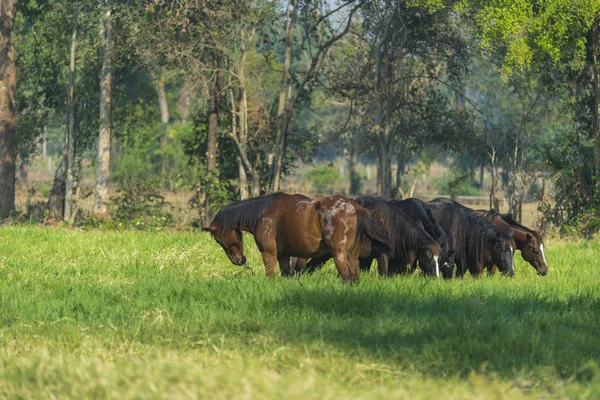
437, 266
542, 250
328, 228
267, 224
301, 205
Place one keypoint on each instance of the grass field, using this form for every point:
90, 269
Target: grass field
165, 315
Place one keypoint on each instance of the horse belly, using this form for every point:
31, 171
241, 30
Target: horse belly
299, 235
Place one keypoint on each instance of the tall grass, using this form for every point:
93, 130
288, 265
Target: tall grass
165, 315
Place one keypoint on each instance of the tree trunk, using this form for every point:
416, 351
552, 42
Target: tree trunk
211, 152
23, 170
494, 188
162, 100
8, 122
69, 140
354, 175
384, 166
243, 179
596, 94
213, 126
481, 171
100, 209
164, 119
400, 169
56, 201
284, 94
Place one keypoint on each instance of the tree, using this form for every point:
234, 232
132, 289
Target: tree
8, 88
104, 138
318, 37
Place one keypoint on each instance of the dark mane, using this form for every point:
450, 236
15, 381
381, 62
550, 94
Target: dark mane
403, 234
422, 213
244, 214
475, 233
509, 219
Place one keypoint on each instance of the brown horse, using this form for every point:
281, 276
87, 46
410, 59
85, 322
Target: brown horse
287, 226
528, 241
410, 243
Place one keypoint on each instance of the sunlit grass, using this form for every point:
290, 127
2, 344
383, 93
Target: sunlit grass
165, 315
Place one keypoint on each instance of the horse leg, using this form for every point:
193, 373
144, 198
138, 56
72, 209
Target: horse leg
459, 268
476, 270
413, 267
316, 263
365, 263
270, 261
353, 261
383, 262
492, 269
300, 265
284, 266
343, 266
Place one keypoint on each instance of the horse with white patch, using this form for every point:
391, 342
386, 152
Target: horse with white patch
527, 241
287, 226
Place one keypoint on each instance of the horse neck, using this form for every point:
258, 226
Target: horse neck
520, 237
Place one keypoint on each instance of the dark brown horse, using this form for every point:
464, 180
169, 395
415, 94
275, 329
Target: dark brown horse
287, 226
420, 214
528, 241
476, 242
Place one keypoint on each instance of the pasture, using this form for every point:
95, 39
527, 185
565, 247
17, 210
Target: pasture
94, 314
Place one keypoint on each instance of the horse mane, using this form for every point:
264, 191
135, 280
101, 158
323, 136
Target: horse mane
509, 219
244, 214
475, 233
432, 228
404, 235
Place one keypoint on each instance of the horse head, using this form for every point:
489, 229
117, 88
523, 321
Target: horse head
231, 242
533, 253
502, 248
429, 253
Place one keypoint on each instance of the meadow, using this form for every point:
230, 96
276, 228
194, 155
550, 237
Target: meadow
131, 315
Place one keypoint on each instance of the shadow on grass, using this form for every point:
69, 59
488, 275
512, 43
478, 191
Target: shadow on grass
447, 333
436, 328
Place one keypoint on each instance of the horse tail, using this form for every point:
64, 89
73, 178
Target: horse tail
368, 228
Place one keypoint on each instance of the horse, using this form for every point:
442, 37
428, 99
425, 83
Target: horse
476, 242
528, 241
419, 213
287, 226
409, 242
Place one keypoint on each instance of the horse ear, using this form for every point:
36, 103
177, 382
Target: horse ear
529, 238
210, 229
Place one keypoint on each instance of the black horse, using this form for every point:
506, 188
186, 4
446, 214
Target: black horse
475, 241
410, 242
419, 213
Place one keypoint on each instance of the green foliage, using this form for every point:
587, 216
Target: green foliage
323, 178
140, 206
101, 314
533, 34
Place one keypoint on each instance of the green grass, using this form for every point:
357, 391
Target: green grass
165, 315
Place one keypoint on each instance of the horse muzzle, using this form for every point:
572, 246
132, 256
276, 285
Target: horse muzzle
239, 261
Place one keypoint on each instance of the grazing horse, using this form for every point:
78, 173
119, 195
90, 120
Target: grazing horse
409, 242
476, 242
287, 226
419, 213
528, 241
